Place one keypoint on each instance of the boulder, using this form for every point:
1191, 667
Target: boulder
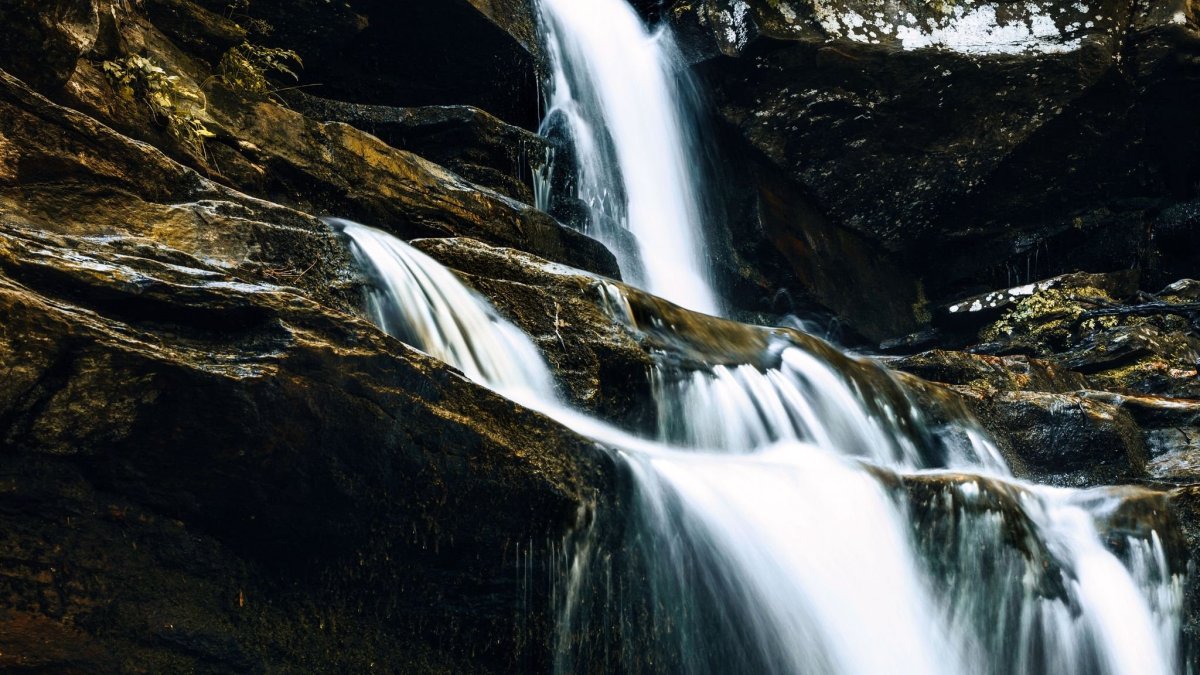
1062, 439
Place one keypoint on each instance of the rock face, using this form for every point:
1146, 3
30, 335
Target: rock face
1051, 131
323, 165
207, 462
161, 394
210, 463
943, 149
256, 144
982, 144
414, 53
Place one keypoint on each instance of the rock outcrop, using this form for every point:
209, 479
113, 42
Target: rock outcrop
208, 462
466, 140
1044, 135
151, 393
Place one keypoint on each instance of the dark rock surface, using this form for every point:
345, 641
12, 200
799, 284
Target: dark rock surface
1042, 137
297, 443
411, 53
42, 40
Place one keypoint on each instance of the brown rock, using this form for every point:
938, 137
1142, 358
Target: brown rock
334, 166
1064, 439
1008, 373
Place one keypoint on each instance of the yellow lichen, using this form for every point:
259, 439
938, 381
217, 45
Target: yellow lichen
1050, 315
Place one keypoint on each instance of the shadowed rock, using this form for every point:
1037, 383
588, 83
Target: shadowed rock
298, 442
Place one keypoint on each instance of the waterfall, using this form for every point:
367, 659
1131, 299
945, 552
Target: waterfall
615, 94
419, 301
787, 542
801, 514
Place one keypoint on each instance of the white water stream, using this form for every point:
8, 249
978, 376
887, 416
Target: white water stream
615, 84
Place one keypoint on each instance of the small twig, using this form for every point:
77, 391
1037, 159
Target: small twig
558, 324
306, 270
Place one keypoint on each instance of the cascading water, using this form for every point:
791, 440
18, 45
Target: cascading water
800, 514
417, 300
791, 548
615, 89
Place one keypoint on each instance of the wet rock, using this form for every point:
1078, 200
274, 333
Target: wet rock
1184, 291
169, 352
334, 167
1148, 347
42, 40
64, 172
1171, 431
1140, 358
955, 516
265, 149
995, 373
599, 361
466, 140
1063, 439
299, 442
602, 338
1184, 505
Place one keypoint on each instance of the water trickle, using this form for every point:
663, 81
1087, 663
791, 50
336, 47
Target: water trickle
419, 301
